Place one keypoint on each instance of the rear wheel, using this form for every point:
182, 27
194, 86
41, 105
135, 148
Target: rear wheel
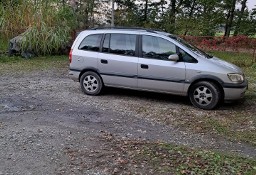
205, 95
91, 83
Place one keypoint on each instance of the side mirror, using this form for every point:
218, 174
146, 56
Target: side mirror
174, 57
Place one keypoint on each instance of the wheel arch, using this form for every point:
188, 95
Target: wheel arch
218, 82
91, 69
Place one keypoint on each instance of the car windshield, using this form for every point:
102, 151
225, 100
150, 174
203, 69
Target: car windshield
190, 46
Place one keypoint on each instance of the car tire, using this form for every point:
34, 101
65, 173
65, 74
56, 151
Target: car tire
205, 95
91, 83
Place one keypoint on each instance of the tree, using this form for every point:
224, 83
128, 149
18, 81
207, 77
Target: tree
230, 7
198, 17
248, 23
191, 8
240, 16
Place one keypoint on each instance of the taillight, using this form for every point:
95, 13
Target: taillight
70, 55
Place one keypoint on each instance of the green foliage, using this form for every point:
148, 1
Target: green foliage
45, 40
46, 24
66, 16
191, 17
3, 43
248, 24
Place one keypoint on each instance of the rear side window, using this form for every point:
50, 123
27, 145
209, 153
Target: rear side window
157, 48
91, 43
121, 44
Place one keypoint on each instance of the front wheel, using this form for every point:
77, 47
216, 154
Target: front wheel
205, 95
91, 83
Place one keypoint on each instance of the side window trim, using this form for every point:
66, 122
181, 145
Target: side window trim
140, 46
137, 46
101, 41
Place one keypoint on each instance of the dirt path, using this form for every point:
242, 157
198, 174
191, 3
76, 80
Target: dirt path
46, 122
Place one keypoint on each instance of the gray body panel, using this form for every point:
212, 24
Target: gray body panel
164, 76
119, 71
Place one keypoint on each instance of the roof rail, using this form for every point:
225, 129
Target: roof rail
121, 27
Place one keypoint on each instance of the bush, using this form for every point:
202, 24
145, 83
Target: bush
221, 43
45, 40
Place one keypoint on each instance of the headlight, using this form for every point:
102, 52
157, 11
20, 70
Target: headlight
237, 78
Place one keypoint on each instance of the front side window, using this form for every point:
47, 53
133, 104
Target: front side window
191, 47
122, 44
91, 43
187, 57
157, 48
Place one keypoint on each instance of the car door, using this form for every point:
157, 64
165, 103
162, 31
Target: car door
117, 62
155, 71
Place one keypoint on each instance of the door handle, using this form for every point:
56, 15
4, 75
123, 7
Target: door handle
144, 66
104, 61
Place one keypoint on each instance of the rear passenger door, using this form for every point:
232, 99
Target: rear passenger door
155, 71
117, 62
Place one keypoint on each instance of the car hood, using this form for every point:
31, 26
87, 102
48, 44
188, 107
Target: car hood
227, 65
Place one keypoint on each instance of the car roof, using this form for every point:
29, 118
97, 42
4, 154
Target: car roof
127, 29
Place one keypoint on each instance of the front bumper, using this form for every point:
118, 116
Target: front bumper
235, 91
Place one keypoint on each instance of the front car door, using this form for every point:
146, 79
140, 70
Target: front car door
155, 71
118, 61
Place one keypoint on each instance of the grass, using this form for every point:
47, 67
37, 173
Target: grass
218, 34
3, 44
162, 158
165, 158
243, 60
18, 64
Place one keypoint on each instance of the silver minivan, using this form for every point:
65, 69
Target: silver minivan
149, 60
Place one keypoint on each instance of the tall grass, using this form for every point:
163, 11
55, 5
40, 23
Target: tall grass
47, 24
3, 43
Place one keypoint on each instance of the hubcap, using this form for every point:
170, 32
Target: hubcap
203, 95
90, 83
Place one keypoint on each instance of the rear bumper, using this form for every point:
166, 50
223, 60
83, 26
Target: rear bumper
74, 75
235, 92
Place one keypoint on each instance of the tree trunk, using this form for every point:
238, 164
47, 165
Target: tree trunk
172, 16
162, 7
92, 13
173, 10
241, 14
230, 18
146, 11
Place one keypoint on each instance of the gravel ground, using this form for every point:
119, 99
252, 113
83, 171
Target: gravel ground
48, 126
